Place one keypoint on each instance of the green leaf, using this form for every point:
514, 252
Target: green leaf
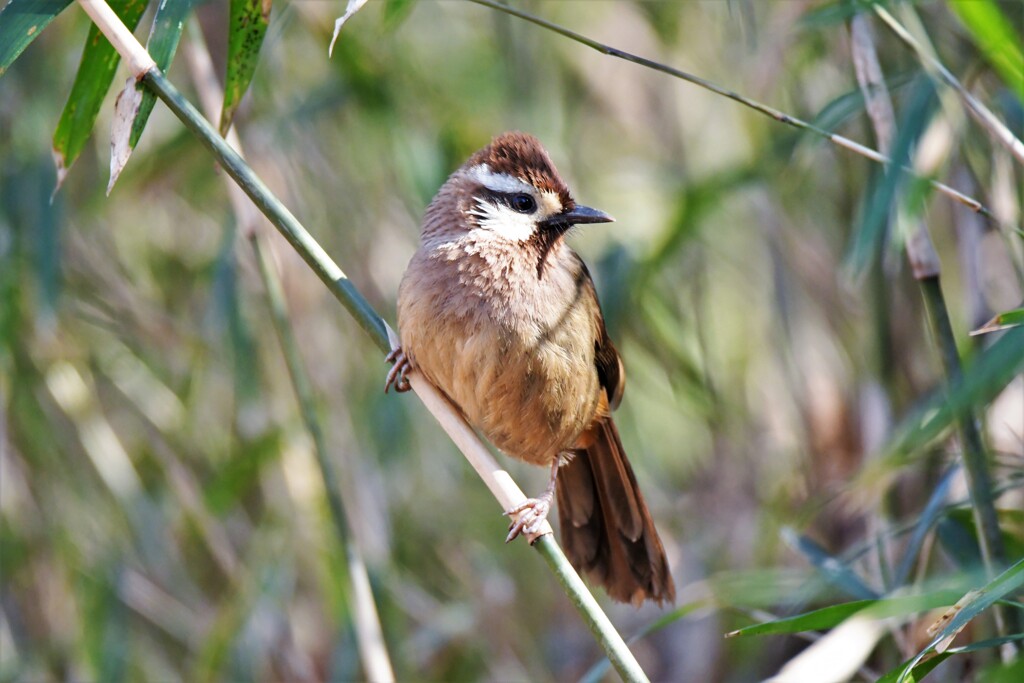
839, 111
977, 386
1014, 317
911, 673
21, 22
1003, 321
833, 615
96, 71
1001, 586
815, 620
249, 21
168, 24
996, 38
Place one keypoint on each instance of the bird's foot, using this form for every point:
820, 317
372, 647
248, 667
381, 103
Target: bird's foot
532, 513
396, 375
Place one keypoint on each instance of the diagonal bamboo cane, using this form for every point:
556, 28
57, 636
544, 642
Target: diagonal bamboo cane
497, 480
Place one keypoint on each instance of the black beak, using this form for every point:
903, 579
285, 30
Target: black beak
579, 215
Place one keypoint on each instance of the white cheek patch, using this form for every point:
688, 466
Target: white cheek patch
498, 182
502, 222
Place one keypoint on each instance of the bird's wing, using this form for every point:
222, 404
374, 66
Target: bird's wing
610, 371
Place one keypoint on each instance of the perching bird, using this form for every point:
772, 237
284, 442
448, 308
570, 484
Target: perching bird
501, 315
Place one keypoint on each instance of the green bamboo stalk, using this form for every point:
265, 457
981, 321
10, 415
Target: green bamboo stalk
597, 621
979, 479
974, 457
342, 288
350, 297
781, 117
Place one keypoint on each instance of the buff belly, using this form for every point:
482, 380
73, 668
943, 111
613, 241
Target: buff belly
530, 397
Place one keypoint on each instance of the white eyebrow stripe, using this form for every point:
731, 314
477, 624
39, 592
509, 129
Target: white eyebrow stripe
498, 182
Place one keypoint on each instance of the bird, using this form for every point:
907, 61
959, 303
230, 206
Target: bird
499, 313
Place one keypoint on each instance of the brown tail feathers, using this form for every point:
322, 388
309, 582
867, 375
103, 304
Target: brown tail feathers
607, 531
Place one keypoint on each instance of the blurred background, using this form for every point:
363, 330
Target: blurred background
162, 516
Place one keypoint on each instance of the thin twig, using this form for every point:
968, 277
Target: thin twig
981, 113
497, 480
779, 116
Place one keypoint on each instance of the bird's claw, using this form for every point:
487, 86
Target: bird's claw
532, 513
396, 375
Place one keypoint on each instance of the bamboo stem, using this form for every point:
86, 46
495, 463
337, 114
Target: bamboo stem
341, 287
979, 479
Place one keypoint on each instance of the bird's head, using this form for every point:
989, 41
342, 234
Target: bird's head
509, 192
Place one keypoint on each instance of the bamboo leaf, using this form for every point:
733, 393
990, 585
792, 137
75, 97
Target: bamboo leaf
996, 37
815, 620
168, 24
126, 107
95, 73
908, 673
21, 22
869, 238
1003, 585
833, 615
135, 103
249, 21
350, 9
1003, 321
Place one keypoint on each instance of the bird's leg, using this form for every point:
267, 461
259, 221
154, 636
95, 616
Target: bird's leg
533, 511
396, 375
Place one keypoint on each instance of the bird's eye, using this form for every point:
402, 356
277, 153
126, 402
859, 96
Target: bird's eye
523, 203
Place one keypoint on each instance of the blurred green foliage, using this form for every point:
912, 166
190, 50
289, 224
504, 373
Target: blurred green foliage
161, 513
